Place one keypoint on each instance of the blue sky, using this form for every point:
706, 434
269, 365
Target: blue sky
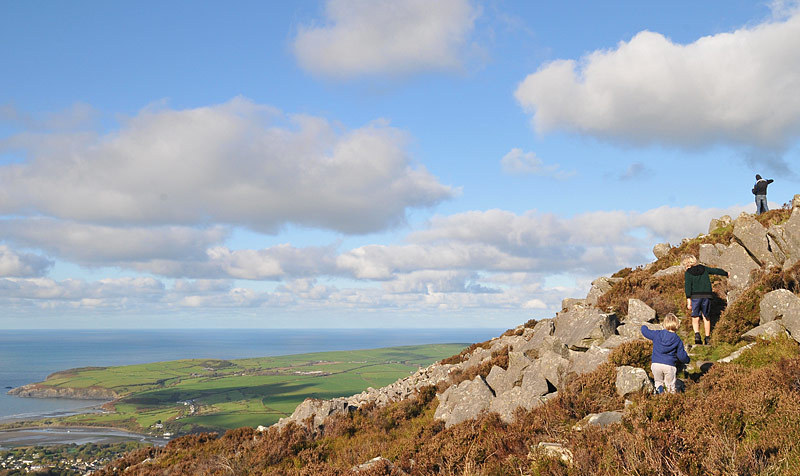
372, 163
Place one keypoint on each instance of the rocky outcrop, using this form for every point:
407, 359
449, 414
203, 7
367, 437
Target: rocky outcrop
599, 287
36, 390
464, 401
753, 236
660, 250
581, 326
768, 330
721, 222
632, 380
777, 304
734, 259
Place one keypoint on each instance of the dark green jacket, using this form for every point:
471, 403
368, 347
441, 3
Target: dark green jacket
696, 282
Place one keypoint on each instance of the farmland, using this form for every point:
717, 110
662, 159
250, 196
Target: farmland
192, 395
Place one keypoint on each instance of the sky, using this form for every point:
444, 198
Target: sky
372, 163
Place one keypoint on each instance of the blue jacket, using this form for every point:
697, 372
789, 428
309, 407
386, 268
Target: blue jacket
667, 347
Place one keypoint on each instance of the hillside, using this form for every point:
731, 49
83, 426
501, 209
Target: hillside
570, 395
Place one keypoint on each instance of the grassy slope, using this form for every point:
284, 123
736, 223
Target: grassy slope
244, 392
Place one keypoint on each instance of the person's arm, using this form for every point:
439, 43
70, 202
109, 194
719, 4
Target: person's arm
770, 181
687, 287
647, 332
717, 271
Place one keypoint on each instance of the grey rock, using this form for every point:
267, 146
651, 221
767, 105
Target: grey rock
753, 236
464, 401
534, 382
508, 402
777, 304
599, 287
378, 463
639, 311
517, 361
501, 380
580, 327
552, 366
541, 331
721, 222
662, 249
599, 419
556, 450
787, 236
668, 271
796, 201
736, 354
632, 331
768, 330
632, 380
316, 411
615, 341
791, 320
567, 303
585, 362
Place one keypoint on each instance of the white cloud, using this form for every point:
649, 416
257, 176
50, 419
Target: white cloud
386, 37
730, 88
517, 162
22, 265
236, 163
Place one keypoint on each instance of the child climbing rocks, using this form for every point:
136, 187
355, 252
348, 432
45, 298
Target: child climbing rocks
667, 352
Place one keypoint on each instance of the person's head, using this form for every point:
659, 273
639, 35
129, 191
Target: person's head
671, 322
758, 177
688, 261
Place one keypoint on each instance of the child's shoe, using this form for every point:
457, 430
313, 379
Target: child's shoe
708, 340
697, 339
659, 390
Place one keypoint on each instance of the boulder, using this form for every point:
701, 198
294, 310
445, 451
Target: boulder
639, 311
585, 362
552, 366
776, 304
556, 450
787, 236
668, 271
599, 419
316, 411
541, 331
769, 330
567, 303
517, 361
753, 236
720, 222
464, 401
796, 202
735, 355
791, 321
615, 341
660, 250
737, 262
599, 287
632, 331
501, 380
378, 465
580, 327
632, 380
508, 402
534, 382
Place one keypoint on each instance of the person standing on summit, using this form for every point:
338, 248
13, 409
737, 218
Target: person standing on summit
760, 191
697, 285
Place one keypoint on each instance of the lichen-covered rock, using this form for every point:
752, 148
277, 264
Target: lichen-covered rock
768, 330
585, 362
580, 327
753, 236
316, 411
508, 402
632, 380
464, 401
639, 311
720, 222
599, 419
661, 249
599, 287
668, 271
777, 304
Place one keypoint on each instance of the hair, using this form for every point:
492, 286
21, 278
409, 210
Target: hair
688, 260
671, 322
758, 177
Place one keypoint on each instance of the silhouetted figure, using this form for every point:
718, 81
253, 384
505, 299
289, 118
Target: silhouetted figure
760, 191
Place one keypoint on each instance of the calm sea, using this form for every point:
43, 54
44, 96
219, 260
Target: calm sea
31, 355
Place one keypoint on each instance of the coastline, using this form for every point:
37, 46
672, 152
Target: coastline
37, 435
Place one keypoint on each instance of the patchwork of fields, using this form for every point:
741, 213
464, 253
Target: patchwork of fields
191, 395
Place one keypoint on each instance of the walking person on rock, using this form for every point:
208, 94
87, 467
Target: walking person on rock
760, 191
697, 284
667, 352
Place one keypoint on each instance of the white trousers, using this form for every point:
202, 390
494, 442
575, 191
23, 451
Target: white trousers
665, 375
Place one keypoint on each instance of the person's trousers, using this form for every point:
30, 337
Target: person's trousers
665, 375
761, 204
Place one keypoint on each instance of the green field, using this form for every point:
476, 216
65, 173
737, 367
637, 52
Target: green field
191, 395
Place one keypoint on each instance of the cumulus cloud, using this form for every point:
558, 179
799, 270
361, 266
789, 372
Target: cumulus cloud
730, 88
237, 163
22, 265
517, 162
385, 37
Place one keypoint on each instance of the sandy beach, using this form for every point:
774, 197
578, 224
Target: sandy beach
77, 435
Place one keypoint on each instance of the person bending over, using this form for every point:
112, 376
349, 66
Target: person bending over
697, 285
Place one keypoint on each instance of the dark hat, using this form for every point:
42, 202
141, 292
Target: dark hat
758, 177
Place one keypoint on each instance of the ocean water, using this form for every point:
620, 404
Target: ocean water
28, 356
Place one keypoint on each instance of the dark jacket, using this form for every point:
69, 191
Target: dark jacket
697, 283
760, 188
667, 347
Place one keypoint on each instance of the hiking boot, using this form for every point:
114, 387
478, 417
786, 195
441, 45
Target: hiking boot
708, 340
659, 390
697, 340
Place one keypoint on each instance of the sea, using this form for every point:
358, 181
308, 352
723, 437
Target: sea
28, 356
